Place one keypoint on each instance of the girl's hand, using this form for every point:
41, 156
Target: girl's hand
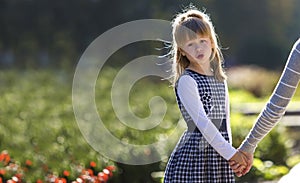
250, 162
235, 167
239, 163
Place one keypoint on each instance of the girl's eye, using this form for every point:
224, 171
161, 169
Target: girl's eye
202, 41
190, 44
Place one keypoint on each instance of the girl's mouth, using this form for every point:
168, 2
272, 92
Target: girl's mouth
200, 56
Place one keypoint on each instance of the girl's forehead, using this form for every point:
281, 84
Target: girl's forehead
200, 36
188, 38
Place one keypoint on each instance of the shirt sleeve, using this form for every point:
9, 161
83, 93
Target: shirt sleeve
276, 106
189, 96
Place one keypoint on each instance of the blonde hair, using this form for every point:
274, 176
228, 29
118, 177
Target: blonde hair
187, 26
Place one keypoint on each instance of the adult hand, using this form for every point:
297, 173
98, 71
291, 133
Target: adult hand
239, 163
236, 166
249, 162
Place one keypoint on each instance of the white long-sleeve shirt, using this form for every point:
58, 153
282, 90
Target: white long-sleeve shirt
187, 91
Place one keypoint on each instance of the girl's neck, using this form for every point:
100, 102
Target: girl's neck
201, 69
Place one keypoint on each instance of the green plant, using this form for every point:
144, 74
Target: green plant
37, 123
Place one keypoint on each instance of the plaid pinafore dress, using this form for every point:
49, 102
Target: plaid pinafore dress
193, 159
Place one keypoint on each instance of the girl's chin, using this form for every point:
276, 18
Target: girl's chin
202, 61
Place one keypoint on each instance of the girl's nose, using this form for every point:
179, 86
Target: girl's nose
198, 47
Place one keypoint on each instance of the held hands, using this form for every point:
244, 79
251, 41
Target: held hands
241, 163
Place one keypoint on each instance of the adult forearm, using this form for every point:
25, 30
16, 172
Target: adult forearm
278, 102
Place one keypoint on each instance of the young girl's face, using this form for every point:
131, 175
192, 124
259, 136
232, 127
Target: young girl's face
198, 50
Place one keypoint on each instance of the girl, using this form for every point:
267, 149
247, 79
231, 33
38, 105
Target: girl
203, 151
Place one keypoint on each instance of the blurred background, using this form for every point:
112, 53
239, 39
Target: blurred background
41, 42
39, 34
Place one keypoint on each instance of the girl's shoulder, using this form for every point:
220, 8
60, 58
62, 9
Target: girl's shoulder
190, 76
185, 78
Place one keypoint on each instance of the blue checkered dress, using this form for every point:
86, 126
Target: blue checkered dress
193, 159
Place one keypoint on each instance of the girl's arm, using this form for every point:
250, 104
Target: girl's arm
188, 93
276, 106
